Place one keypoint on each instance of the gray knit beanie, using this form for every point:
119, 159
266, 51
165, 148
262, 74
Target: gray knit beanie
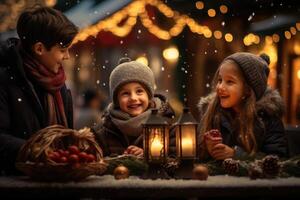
130, 71
255, 70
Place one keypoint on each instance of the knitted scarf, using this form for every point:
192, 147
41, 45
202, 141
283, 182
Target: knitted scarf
131, 126
52, 83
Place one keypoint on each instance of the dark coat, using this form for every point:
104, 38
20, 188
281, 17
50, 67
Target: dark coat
268, 128
114, 142
21, 111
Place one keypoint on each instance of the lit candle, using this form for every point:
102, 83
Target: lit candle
187, 147
156, 146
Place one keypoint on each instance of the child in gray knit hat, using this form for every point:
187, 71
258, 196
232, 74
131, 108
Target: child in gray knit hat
243, 109
132, 86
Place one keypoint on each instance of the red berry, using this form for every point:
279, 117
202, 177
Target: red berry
83, 157
91, 158
73, 158
63, 159
61, 152
53, 157
73, 149
65, 153
215, 133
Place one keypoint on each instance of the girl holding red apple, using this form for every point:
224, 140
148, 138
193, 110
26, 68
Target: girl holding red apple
242, 116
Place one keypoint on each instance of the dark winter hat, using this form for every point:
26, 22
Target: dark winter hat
130, 71
255, 70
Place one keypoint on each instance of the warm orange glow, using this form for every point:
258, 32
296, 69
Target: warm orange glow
143, 60
293, 30
268, 40
218, 34
228, 37
211, 12
297, 48
287, 35
275, 37
199, 5
223, 9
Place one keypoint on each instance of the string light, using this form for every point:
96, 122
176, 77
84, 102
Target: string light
143, 60
218, 34
275, 37
223, 9
228, 37
287, 35
171, 53
199, 5
293, 30
129, 15
211, 12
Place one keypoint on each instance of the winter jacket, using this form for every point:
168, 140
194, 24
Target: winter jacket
268, 127
114, 142
21, 111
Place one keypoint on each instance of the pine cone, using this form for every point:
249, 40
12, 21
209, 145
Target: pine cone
255, 171
270, 165
231, 166
171, 166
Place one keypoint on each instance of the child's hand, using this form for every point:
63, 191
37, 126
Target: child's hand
222, 151
134, 150
212, 139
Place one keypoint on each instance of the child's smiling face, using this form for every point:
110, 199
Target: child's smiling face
230, 86
133, 98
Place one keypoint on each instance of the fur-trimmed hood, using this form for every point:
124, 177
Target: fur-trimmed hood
270, 103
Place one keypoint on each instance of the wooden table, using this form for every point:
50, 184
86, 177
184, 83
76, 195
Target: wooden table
107, 187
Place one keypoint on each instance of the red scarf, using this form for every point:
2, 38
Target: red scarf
52, 83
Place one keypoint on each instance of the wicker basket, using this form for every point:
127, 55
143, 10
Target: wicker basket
34, 161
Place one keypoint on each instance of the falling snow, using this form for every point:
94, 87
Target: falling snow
162, 69
167, 90
97, 82
104, 84
19, 99
223, 23
183, 86
251, 16
207, 85
139, 31
103, 67
121, 42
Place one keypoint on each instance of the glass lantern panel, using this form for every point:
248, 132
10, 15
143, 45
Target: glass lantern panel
188, 140
156, 143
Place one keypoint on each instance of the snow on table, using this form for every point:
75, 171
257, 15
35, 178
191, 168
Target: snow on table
107, 186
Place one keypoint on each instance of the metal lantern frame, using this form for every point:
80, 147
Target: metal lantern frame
153, 126
186, 120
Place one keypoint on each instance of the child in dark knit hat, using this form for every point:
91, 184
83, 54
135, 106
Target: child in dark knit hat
243, 109
132, 86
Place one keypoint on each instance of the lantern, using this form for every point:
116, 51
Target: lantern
156, 139
186, 136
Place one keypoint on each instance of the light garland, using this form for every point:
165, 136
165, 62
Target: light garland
11, 9
138, 9
251, 38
